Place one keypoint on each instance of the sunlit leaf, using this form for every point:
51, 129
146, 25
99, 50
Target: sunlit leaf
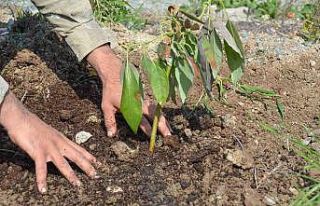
158, 79
213, 51
205, 70
235, 62
131, 99
232, 29
184, 76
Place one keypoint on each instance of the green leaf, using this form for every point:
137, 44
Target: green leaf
131, 99
228, 37
234, 33
184, 76
235, 62
205, 70
281, 108
248, 89
158, 79
213, 51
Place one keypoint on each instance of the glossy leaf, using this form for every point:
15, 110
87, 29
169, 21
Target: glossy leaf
213, 51
234, 33
235, 62
205, 70
184, 76
131, 99
158, 79
226, 35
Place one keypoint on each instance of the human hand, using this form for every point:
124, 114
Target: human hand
43, 143
109, 66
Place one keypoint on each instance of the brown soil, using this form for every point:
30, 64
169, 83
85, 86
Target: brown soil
43, 72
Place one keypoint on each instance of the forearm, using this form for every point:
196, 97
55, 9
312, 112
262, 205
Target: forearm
73, 19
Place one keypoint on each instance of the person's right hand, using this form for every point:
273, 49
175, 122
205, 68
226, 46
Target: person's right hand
43, 143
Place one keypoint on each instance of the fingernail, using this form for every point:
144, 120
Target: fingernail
43, 190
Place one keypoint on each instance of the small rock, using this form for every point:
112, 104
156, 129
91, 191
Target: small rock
294, 191
93, 146
270, 201
240, 158
93, 119
65, 115
312, 63
188, 132
228, 120
307, 140
124, 152
114, 189
82, 137
179, 126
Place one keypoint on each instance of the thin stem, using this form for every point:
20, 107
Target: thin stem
154, 128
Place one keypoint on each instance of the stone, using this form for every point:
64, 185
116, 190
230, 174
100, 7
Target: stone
270, 201
240, 158
312, 63
188, 132
114, 189
124, 152
93, 119
82, 137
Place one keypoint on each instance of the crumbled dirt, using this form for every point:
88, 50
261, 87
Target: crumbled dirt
43, 72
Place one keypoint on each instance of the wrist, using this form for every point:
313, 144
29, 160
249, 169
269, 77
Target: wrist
11, 111
105, 62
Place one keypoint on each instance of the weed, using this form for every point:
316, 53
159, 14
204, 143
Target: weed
310, 195
118, 11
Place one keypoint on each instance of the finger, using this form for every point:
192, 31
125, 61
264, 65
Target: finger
73, 155
145, 126
82, 151
164, 127
110, 120
63, 166
41, 174
149, 110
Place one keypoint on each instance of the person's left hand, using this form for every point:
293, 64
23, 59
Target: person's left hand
109, 66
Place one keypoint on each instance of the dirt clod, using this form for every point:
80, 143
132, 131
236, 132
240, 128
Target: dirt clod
240, 158
124, 152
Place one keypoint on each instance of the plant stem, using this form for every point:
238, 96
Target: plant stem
154, 128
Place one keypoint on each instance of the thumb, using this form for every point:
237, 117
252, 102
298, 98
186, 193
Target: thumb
110, 120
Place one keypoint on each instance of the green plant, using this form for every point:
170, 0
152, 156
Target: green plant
311, 26
185, 51
310, 195
118, 11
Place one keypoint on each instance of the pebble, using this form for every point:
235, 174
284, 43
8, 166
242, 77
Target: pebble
228, 120
188, 132
93, 119
124, 152
82, 137
294, 191
312, 63
93, 146
240, 158
114, 189
270, 201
